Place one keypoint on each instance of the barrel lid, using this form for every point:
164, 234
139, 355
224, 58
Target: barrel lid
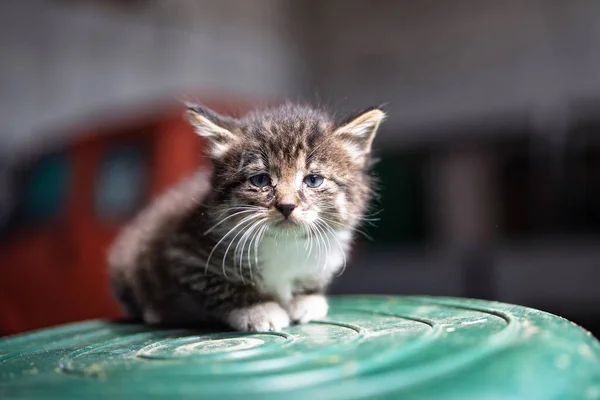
368, 347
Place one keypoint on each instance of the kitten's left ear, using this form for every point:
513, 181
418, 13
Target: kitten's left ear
217, 129
358, 133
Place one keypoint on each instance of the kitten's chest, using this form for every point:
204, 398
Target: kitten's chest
288, 261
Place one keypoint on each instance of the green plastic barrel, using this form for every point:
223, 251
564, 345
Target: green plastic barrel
368, 347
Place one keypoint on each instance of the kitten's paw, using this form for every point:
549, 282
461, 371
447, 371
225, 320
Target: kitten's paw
151, 317
259, 317
304, 308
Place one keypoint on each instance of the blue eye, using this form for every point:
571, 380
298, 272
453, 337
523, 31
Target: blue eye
260, 180
313, 181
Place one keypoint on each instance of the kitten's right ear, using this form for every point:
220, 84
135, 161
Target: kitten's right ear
216, 128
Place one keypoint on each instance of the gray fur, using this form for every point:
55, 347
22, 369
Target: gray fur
199, 252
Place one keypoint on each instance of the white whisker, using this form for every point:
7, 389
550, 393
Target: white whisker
248, 255
226, 218
323, 236
235, 208
247, 218
340, 245
243, 241
256, 242
360, 217
309, 241
352, 228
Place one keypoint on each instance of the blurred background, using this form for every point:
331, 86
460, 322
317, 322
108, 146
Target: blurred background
490, 158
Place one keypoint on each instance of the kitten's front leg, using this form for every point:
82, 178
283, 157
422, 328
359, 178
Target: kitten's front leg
265, 316
241, 307
307, 307
244, 308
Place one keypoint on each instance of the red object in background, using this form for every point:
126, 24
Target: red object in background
55, 272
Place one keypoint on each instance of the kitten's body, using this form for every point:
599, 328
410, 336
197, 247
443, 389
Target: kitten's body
254, 256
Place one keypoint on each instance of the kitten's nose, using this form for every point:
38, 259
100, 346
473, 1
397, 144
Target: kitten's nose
286, 209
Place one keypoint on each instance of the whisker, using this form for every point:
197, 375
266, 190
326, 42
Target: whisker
245, 219
198, 201
360, 217
310, 240
225, 219
341, 248
248, 234
248, 256
238, 208
323, 236
244, 233
261, 233
352, 228
320, 242
305, 227
233, 208
243, 241
296, 237
249, 219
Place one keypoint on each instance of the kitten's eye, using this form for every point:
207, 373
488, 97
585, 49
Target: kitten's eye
260, 180
313, 181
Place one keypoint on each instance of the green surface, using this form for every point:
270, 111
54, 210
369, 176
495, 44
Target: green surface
368, 347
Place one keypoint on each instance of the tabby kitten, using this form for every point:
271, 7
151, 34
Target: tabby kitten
254, 242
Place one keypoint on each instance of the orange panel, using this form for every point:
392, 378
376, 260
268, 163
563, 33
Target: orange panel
57, 273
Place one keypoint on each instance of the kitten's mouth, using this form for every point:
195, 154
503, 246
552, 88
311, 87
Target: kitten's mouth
289, 226
286, 223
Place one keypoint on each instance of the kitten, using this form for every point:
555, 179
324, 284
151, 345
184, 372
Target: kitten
254, 242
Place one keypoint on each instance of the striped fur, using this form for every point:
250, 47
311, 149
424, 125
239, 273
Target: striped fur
217, 247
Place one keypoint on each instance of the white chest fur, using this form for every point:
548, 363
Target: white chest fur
286, 258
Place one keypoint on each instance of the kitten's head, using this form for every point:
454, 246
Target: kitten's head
291, 167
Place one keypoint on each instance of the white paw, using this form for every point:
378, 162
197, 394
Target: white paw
260, 317
151, 317
304, 308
